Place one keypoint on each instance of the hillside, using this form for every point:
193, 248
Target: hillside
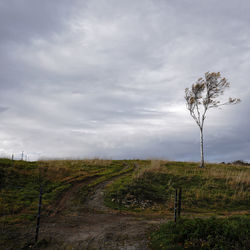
109, 204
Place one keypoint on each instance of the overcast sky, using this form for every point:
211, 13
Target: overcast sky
106, 79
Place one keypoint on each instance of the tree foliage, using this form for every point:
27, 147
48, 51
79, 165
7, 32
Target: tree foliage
203, 95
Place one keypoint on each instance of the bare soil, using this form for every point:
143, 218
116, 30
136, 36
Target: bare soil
94, 226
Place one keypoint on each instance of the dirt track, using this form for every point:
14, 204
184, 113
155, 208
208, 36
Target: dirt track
95, 226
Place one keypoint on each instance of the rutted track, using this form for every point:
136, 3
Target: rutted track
95, 226
64, 201
96, 201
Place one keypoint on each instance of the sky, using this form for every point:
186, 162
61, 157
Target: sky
106, 78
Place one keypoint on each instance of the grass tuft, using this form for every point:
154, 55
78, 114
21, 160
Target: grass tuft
211, 233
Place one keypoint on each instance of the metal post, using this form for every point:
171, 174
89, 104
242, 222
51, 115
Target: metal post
12, 160
175, 205
39, 214
179, 203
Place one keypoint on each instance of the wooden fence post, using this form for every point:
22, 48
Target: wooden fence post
179, 203
175, 205
39, 214
12, 160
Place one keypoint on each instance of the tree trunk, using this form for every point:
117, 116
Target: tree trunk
202, 148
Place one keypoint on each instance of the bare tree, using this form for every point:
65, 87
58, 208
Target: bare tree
203, 96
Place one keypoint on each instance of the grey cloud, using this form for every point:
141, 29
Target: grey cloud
107, 78
21, 20
3, 109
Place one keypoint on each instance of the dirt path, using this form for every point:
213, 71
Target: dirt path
98, 231
67, 197
96, 201
95, 226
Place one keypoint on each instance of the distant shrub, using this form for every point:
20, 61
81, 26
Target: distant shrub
240, 162
142, 192
212, 233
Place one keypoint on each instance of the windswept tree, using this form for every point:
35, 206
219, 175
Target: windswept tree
202, 96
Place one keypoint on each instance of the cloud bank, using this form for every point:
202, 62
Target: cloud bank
106, 78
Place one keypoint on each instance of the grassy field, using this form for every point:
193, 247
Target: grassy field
21, 181
143, 187
217, 189
211, 233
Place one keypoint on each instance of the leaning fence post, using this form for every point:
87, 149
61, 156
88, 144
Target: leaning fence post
12, 160
179, 203
175, 205
39, 214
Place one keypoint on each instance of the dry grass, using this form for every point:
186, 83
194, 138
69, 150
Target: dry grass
215, 185
234, 174
154, 165
72, 162
64, 170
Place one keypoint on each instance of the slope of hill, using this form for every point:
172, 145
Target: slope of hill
108, 204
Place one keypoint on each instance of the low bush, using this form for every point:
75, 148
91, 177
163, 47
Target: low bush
142, 192
215, 188
212, 233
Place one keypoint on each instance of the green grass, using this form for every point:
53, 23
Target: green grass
138, 185
116, 168
135, 193
216, 188
150, 184
20, 184
211, 233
